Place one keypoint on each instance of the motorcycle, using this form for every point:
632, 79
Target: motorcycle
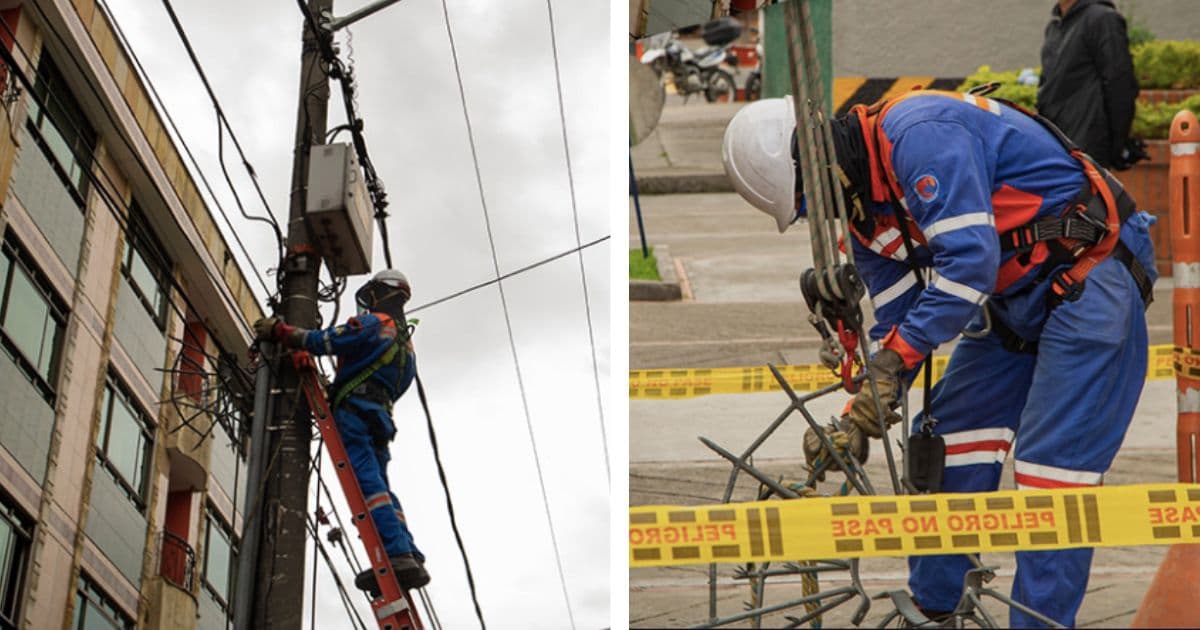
698, 72
753, 89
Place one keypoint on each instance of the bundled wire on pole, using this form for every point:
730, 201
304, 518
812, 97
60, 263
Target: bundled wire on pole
336, 69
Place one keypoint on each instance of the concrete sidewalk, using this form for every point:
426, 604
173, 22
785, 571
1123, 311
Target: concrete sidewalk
683, 154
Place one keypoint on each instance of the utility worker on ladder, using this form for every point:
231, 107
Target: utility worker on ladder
375, 366
1033, 248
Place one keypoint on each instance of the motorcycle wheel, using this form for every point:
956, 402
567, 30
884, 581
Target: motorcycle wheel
753, 89
720, 87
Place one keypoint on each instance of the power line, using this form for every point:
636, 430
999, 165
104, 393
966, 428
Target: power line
462, 550
507, 318
105, 194
186, 148
510, 274
223, 121
578, 241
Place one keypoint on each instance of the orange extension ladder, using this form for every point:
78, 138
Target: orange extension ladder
394, 608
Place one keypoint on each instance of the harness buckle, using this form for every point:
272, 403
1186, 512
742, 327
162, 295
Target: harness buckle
1024, 238
1081, 213
1064, 288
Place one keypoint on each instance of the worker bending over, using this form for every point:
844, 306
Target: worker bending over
1019, 231
375, 366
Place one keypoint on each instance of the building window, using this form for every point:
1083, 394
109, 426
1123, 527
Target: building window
147, 268
32, 317
220, 559
125, 441
61, 129
16, 534
96, 611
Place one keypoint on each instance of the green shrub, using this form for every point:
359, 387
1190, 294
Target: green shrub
1164, 64
1153, 122
1163, 60
1010, 90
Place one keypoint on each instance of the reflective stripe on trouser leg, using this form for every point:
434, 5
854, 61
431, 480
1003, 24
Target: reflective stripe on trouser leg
977, 405
384, 456
372, 480
1090, 372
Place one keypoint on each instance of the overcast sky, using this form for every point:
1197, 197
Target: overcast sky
417, 137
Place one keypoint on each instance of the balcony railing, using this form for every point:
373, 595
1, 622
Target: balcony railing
177, 560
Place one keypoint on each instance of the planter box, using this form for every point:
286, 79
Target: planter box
1169, 97
1147, 183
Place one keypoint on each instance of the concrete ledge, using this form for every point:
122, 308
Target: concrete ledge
664, 290
677, 183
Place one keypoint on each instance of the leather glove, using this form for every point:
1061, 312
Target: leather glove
264, 328
845, 435
886, 367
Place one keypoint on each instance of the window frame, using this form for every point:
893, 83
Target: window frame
88, 591
18, 256
211, 517
116, 392
50, 85
140, 240
14, 577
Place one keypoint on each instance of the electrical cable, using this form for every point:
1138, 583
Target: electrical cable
449, 502
161, 106
222, 120
337, 579
578, 242
345, 77
106, 194
507, 318
509, 274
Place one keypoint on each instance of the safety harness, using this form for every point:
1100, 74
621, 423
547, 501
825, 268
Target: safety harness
1086, 233
361, 385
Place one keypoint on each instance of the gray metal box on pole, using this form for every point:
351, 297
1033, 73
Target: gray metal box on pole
339, 210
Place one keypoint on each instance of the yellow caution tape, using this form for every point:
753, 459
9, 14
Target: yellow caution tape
1165, 360
851, 527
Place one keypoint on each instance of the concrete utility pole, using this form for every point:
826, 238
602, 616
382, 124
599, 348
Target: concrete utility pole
274, 600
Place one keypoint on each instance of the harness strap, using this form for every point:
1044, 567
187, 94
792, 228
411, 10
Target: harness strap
1096, 225
384, 359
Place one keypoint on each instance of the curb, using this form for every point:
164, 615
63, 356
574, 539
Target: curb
664, 290
683, 183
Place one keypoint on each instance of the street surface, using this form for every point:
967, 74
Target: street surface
746, 310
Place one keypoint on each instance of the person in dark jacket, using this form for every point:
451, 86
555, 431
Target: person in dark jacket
1087, 86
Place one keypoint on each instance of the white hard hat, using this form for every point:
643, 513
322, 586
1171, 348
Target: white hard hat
757, 153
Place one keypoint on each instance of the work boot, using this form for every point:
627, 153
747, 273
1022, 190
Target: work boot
410, 572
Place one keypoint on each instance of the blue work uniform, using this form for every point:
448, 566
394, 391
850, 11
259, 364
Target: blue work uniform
968, 169
365, 424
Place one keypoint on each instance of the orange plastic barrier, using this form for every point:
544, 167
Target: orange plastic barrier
1171, 600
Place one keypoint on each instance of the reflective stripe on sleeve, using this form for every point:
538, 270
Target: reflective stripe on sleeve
959, 290
951, 224
886, 296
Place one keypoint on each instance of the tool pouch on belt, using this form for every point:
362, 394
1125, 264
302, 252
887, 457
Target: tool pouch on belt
375, 392
927, 456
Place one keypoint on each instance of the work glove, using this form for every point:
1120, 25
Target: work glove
846, 438
264, 328
886, 367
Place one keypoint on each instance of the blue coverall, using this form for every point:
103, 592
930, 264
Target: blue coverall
969, 169
366, 427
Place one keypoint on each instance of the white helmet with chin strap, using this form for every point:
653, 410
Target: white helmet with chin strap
386, 292
757, 153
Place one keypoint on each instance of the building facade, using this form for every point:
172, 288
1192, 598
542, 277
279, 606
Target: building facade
119, 501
